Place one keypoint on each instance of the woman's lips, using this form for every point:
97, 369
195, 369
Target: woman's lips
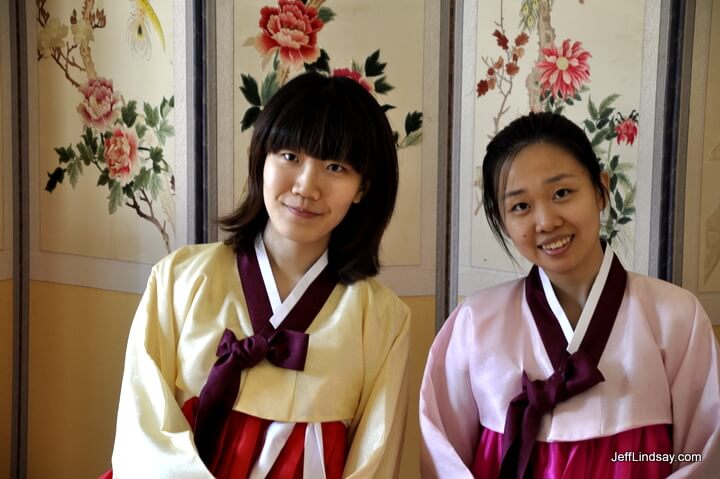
557, 246
301, 212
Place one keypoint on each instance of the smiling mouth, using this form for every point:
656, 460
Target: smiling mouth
301, 212
556, 245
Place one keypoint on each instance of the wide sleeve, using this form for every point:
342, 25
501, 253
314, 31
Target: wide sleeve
153, 438
377, 431
449, 419
695, 390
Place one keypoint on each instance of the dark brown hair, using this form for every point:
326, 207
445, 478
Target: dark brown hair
326, 118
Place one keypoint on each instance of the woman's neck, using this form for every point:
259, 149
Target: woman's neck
289, 260
572, 289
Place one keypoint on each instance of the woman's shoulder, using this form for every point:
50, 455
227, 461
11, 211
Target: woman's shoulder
660, 295
481, 309
378, 293
379, 302
194, 258
496, 297
672, 313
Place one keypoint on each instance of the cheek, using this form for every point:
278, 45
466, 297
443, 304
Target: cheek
273, 180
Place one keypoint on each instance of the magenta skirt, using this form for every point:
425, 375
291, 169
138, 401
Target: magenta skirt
637, 453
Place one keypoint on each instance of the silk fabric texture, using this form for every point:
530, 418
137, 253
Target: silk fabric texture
355, 369
660, 367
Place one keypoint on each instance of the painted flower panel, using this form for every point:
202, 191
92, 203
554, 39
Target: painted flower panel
627, 131
99, 108
121, 155
564, 70
353, 75
291, 30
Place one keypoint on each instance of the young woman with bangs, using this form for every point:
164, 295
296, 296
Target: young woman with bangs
276, 354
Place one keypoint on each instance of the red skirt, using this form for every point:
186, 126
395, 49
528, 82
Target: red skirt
242, 440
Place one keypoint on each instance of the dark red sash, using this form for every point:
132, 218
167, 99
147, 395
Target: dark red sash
574, 373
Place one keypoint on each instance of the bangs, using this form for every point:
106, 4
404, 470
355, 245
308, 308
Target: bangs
323, 125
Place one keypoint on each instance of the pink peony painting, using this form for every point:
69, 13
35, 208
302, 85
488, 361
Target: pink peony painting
121, 155
121, 141
289, 43
100, 106
289, 29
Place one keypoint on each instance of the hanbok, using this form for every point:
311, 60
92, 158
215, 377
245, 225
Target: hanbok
223, 379
512, 390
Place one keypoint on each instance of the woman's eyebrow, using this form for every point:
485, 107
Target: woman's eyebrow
552, 179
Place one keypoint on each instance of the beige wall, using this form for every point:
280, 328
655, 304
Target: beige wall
422, 334
77, 343
6, 328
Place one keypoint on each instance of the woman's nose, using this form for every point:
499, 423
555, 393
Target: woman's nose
546, 219
307, 182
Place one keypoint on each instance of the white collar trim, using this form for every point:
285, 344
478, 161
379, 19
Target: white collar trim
574, 338
282, 308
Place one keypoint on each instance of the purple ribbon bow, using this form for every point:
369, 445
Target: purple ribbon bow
576, 374
284, 348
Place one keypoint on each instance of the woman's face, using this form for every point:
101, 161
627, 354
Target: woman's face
307, 198
551, 212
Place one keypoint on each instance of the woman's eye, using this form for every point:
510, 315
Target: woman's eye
562, 193
336, 167
517, 207
289, 156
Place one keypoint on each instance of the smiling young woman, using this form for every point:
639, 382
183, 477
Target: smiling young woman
551, 213
276, 354
555, 374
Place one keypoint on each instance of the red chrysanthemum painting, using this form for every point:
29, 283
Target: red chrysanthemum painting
627, 130
291, 29
564, 70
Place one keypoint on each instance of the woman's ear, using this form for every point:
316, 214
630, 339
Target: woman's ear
605, 180
361, 193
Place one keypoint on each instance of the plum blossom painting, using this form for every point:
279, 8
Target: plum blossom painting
577, 59
104, 183
381, 45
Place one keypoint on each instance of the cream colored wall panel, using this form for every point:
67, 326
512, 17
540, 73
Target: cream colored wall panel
701, 237
101, 83
6, 176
